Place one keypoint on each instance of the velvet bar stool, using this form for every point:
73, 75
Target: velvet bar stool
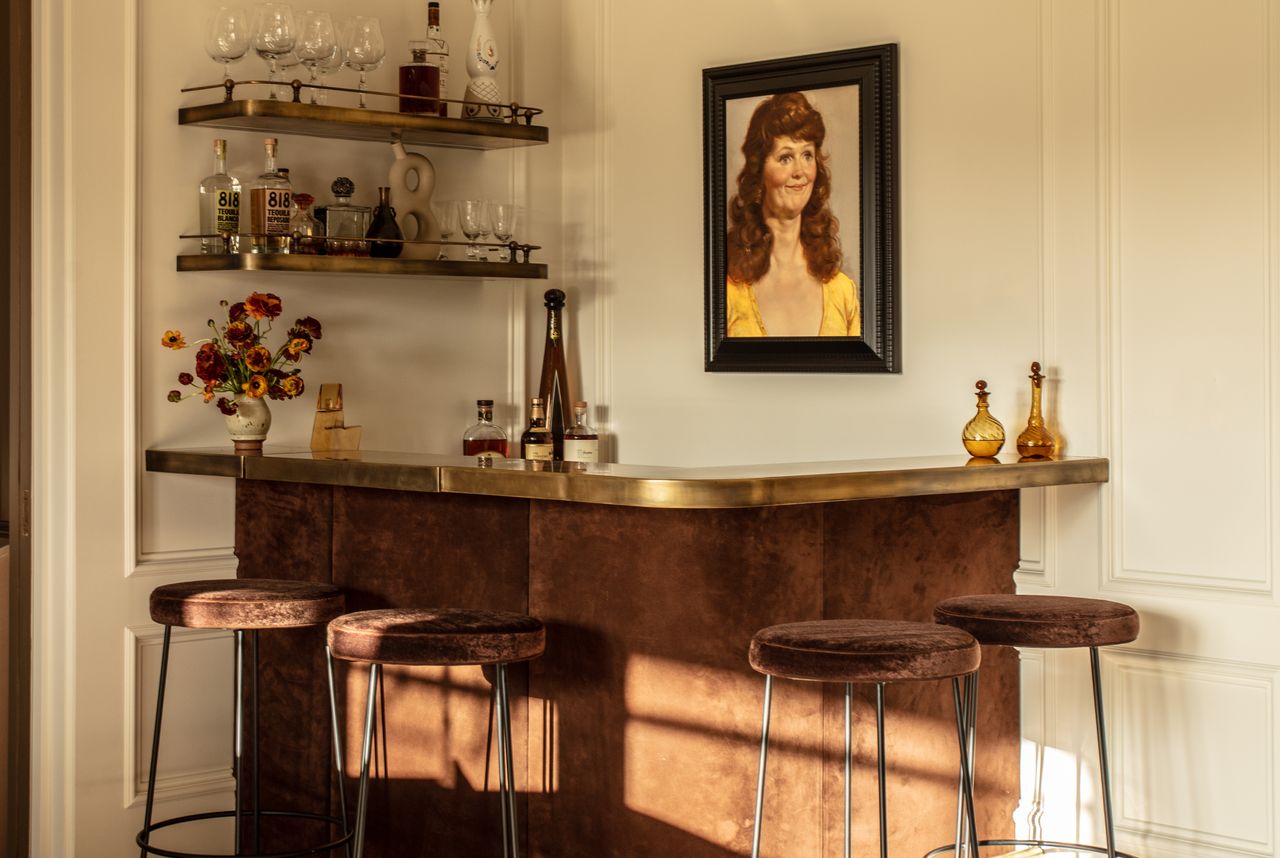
860, 651
240, 605
441, 637
1050, 622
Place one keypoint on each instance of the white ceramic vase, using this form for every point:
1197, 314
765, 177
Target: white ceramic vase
249, 424
482, 65
412, 202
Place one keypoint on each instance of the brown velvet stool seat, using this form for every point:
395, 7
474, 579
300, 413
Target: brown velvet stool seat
240, 605
448, 637
1049, 622
859, 651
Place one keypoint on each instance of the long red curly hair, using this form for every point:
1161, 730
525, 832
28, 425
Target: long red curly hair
749, 242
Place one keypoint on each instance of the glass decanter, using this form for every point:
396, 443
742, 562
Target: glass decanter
983, 436
305, 230
1035, 442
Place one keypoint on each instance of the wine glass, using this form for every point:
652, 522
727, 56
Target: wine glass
504, 224
317, 42
474, 217
331, 64
227, 37
446, 213
274, 35
365, 48
287, 64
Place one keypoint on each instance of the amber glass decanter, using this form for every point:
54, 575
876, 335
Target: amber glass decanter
1035, 442
983, 436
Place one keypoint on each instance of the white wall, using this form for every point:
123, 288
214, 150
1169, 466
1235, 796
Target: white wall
1091, 184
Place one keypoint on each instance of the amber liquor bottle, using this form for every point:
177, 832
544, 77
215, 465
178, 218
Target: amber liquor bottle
554, 387
270, 197
485, 439
581, 443
536, 443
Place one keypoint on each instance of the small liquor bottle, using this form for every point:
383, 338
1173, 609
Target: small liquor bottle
536, 443
485, 439
438, 53
384, 226
581, 443
345, 225
270, 196
421, 78
220, 205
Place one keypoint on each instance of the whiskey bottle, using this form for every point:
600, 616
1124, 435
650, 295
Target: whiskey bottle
270, 197
535, 443
581, 443
554, 387
485, 439
220, 206
420, 78
438, 53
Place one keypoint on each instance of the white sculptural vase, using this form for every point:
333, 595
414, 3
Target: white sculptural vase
482, 65
412, 180
249, 424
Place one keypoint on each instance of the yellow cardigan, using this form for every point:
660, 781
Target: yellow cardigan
841, 310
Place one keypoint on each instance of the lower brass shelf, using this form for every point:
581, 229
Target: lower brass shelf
309, 264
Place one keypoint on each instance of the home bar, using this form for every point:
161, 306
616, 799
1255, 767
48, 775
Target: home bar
641, 727
603, 429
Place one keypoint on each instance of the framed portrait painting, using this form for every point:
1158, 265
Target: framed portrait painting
801, 245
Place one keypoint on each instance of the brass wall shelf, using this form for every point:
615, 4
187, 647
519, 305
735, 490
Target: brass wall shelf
352, 123
308, 264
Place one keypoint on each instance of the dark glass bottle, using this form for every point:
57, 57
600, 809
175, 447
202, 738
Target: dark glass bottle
384, 226
535, 443
554, 388
420, 78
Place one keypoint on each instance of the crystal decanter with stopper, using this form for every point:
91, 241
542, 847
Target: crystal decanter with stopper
1035, 442
983, 436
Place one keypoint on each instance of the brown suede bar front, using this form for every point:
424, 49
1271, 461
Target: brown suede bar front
864, 651
436, 636
1040, 621
246, 603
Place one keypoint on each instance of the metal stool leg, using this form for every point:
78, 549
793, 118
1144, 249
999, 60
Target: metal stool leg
764, 756
155, 743
257, 759
365, 749
848, 770
337, 746
508, 756
1095, 666
966, 777
238, 738
502, 762
884, 819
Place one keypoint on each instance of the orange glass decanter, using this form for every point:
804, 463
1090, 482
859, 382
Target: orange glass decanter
1035, 442
983, 436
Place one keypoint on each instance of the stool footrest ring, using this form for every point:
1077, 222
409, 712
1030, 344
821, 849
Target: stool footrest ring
1045, 845
228, 814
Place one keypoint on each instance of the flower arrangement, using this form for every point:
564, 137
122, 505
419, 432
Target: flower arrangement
234, 361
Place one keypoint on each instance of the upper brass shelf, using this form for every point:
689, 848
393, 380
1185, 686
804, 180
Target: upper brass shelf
360, 265
352, 123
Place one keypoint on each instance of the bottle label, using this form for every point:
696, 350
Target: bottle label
581, 450
271, 210
226, 211
538, 452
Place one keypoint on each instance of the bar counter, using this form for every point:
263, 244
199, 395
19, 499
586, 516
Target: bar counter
637, 733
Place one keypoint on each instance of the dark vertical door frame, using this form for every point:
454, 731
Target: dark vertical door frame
18, 809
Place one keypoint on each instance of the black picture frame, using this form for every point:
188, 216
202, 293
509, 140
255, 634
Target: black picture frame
870, 76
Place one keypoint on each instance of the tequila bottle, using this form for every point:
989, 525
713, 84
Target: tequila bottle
270, 197
220, 206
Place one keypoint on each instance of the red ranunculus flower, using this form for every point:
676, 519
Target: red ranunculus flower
236, 313
239, 334
226, 406
261, 305
310, 325
292, 386
296, 347
258, 358
210, 366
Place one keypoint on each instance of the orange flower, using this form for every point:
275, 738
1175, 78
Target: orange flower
208, 392
292, 386
296, 347
262, 305
258, 359
173, 340
256, 387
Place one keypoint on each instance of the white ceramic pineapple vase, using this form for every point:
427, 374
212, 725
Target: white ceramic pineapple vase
482, 64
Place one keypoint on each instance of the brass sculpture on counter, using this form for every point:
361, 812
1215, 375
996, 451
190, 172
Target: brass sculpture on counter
329, 431
1036, 442
983, 436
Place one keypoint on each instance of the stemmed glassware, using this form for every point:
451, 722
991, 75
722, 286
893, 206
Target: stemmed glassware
274, 34
227, 37
317, 42
365, 48
446, 212
330, 65
474, 216
504, 225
